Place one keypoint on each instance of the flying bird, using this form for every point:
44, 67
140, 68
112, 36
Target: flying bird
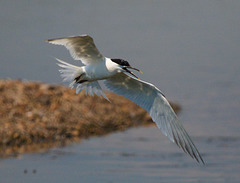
119, 78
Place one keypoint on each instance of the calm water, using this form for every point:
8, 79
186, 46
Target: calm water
190, 50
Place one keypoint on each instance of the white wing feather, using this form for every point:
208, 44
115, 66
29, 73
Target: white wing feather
81, 48
153, 101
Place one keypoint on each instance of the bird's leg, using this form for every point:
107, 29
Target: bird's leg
78, 79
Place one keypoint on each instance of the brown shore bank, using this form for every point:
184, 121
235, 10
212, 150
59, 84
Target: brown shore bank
36, 116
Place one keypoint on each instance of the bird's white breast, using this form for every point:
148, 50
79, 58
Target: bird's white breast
101, 70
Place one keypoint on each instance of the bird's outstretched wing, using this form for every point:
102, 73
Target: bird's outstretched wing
80, 47
152, 100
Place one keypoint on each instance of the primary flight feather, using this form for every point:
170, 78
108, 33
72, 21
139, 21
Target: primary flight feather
119, 79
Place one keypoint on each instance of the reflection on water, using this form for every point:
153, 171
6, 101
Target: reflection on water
190, 50
124, 157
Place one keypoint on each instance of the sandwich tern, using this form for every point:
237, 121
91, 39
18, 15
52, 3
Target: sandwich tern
120, 79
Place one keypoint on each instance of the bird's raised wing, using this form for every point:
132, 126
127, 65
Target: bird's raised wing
152, 100
80, 47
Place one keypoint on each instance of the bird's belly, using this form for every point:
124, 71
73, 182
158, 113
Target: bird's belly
97, 72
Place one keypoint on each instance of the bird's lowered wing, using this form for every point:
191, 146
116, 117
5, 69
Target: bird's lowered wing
152, 100
80, 47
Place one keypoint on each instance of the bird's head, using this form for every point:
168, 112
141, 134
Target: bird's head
124, 65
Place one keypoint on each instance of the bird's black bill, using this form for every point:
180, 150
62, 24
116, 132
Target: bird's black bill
130, 72
129, 67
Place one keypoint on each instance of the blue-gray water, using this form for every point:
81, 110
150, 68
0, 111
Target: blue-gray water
189, 49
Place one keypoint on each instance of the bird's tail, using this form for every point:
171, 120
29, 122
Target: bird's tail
70, 72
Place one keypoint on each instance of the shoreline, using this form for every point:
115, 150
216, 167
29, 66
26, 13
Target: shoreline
37, 116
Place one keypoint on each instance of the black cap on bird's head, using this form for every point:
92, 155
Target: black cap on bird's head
125, 65
120, 62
